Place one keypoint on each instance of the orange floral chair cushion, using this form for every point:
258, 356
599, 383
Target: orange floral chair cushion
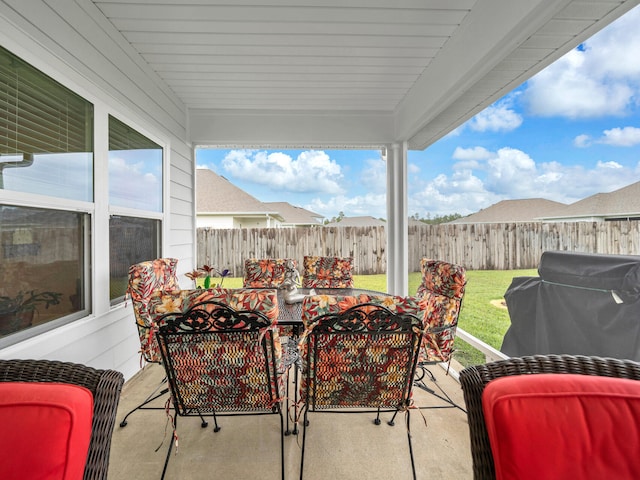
265, 272
327, 272
219, 364
262, 300
146, 280
357, 369
441, 292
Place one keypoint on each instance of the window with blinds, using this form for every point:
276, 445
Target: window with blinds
46, 134
135, 183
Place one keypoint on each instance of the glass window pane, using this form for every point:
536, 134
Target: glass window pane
43, 256
46, 134
135, 169
131, 240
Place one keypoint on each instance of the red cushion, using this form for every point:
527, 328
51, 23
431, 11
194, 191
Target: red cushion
46, 429
562, 426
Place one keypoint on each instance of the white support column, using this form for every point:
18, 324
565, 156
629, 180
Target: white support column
397, 220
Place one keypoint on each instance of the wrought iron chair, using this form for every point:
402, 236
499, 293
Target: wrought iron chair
440, 293
105, 385
327, 272
148, 280
223, 359
608, 429
266, 272
357, 357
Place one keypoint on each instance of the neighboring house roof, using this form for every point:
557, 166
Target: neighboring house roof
365, 221
217, 195
525, 210
621, 203
295, 215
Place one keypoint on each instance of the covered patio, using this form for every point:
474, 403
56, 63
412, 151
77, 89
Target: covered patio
273, 73
394, 76
338, 446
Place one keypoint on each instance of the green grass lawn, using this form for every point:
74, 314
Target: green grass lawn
479, 316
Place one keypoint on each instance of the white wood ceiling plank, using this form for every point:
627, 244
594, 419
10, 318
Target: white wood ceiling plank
247, 63
563, 25
297, 90
161, 42
433, 4
279, 52
186, 82
284, 71
226, 13
546, 41
197, 31
304, 77
587, 10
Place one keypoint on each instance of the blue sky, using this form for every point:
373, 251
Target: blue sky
571, 131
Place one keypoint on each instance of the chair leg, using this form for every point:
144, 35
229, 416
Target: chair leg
419, 382
216, 428
392, 422
413, 465
203, 422
166, 460
281, 443
377, 420
148, 400
304, 437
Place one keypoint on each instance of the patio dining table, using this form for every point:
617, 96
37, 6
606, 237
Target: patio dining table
290, 317
290, 314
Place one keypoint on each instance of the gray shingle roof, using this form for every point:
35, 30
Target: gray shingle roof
622, 202
525, 210
216, 194
295, 215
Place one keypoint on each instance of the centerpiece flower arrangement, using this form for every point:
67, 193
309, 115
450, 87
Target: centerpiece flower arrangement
208, 273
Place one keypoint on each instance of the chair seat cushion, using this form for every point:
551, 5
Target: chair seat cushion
562, 426
46, 430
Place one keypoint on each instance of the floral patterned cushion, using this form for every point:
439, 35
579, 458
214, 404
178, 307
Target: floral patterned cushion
327, 272
359, 369
146, 279
265, 272
221, 368
262, 300
442, 278
441, 292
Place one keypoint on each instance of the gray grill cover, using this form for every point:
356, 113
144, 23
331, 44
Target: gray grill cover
581, 304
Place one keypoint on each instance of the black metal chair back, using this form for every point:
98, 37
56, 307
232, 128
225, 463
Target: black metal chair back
221, 361
362, 357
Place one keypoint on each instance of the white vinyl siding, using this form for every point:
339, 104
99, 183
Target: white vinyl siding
75, 45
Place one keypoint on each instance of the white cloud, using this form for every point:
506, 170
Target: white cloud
129, 183
611, 165
445, 195
474, 153
312, 171
370, 204
374, 175
615, 137
510, 173
499, 117
599, 78
621, 137
582, 141
469, 158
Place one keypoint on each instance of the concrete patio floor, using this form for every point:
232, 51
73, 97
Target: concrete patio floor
338, 447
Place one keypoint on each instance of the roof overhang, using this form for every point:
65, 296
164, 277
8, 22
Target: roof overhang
361, 74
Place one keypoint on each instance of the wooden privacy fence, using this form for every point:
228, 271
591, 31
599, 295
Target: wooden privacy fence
487, 246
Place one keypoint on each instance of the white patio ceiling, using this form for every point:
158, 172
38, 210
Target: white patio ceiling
347, 72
